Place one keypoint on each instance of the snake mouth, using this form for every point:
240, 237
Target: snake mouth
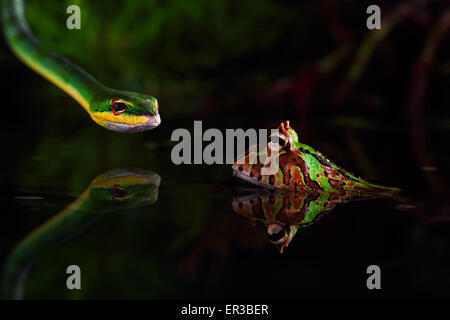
152, 121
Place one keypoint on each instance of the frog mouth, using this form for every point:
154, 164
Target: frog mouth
243, 175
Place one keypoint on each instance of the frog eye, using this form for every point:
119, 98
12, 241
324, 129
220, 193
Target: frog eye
277, 234
118, 107
118, 192
277, 142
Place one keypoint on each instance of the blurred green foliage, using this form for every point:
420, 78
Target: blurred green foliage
157, 46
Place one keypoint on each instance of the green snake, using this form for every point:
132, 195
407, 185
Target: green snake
116, 110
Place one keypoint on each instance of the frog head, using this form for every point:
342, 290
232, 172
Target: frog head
285, 143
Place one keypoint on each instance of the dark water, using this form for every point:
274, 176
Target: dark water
184, 240
190, 242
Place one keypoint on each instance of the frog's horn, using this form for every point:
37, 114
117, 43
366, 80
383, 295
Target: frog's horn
283, 128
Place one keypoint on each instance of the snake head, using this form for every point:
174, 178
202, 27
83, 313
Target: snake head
125, 187
124, 111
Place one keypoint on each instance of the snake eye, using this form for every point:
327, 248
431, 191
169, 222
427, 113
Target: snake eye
118, 107
118, 192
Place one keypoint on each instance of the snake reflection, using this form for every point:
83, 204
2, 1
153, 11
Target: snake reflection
117, 189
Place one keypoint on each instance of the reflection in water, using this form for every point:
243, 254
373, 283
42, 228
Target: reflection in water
116, 189
283, 213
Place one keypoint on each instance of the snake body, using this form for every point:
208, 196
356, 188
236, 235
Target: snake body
116, 110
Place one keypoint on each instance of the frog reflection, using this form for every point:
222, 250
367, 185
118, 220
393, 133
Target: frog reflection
284, 213
115, 190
